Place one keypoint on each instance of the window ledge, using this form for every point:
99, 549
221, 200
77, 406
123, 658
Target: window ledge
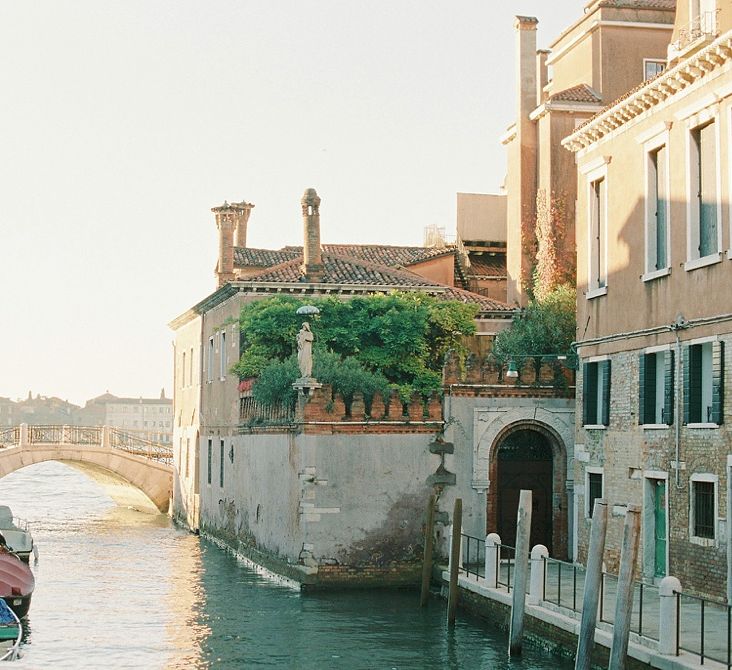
703, 262
703, 541
702, 425
655, 426
596, 293
656, 274
594, 426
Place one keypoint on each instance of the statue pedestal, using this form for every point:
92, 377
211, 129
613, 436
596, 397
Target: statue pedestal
306, 384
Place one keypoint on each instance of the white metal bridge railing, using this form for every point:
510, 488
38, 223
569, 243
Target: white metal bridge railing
103, 436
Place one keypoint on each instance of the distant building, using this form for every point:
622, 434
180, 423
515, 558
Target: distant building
151, 418
42, 410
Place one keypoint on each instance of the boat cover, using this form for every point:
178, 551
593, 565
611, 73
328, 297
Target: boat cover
6, 517
6, 615
16, 578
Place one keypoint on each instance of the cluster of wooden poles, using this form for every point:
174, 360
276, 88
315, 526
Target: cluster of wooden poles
585, 642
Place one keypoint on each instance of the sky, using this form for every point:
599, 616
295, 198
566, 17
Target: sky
124, 122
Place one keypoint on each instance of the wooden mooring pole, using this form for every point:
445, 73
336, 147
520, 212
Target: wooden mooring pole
624, 602
593, 580
455, 544
518, 603
428, 545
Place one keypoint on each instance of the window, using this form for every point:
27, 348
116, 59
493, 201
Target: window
223, 370
221, 464
183, 371
598, 234
594, 490
651, 68
656, 388
210, 459
703, 205
209, 360
704, 383
596, 394
190, 368
703, 513
188, 457
657, 214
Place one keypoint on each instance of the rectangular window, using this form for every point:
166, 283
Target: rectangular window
703, 224
704, 383
651, 68
209, 360
658, 210
210, 459
598, 234
190, 368
224, 365
596, 394
221, 464
594, 491
656, 388
188, 458
183, 371
703, 510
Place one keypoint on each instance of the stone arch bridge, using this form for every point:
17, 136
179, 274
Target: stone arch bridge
122, 462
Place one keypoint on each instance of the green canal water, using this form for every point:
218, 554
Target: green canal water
117, 588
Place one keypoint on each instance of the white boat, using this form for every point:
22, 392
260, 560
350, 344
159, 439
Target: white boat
17, 534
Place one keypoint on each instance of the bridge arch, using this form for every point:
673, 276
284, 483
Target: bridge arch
112, 468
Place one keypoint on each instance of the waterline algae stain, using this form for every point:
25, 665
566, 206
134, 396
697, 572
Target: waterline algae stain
118, 588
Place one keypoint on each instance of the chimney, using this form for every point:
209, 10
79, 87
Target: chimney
243, 211
312, 261
230, 219
542, 75
526, 70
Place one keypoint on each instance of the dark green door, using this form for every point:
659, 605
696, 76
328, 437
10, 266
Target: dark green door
659, 518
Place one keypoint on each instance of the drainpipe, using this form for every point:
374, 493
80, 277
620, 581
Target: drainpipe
676, 327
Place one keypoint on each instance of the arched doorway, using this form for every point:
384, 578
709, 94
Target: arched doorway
529, 455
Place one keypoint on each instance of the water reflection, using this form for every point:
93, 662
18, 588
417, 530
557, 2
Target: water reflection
117, 588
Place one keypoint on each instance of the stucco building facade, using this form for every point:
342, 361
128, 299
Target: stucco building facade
654, 308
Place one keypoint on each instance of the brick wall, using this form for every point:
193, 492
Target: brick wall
628, 452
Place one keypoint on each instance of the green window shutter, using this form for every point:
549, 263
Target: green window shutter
642, 389
669, 395
605, 366
589, 394
649, 393
687, 383
718, 383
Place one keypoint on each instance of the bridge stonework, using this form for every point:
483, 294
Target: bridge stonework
146, 473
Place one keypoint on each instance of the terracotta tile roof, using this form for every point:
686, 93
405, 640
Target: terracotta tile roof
484, 303
342, 270
579, 93
246, 256
639, 4
339, 270
383, 254
485, 265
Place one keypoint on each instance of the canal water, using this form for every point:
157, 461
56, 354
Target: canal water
118, 588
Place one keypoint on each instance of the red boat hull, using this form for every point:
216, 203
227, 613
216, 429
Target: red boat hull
16, 584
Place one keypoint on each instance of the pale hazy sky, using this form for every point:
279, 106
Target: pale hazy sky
124, 122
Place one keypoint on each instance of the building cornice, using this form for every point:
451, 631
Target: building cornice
572, 107
651, 94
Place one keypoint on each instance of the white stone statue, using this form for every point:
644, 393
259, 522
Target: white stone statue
305, 351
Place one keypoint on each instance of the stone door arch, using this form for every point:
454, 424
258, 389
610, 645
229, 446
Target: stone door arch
529, 455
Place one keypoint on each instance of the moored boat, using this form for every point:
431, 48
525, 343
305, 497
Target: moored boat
16, 583
11, 632
17, 534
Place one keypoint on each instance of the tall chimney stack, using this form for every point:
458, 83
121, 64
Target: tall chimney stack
230, 219
312, 261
